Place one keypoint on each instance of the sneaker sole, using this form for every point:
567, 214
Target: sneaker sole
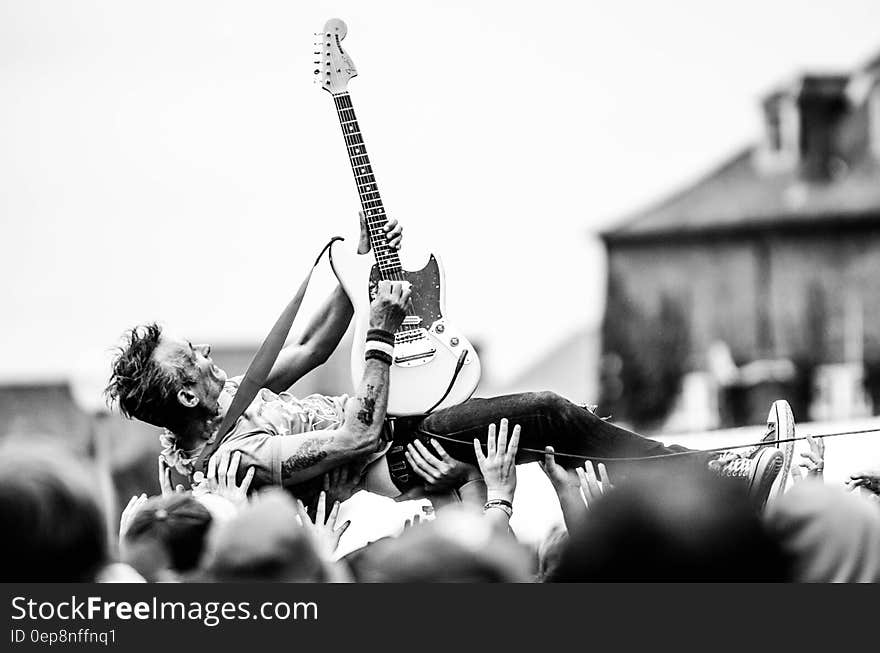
768, 464
781, 420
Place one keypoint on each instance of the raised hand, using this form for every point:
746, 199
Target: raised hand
165, 480
341, 483
560, 479
393, 234
441, 472
868, 479
567, 489
813, 463
593, 488
222, 474
134, 505
498, 465
324, 530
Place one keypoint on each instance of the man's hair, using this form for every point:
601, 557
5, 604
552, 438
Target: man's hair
141, 386
54, 530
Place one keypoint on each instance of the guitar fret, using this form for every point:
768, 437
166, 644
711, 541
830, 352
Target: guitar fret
387, 260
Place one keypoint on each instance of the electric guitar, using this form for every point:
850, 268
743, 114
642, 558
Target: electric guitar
434, 365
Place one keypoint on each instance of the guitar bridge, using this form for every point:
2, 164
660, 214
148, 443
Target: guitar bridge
413, 347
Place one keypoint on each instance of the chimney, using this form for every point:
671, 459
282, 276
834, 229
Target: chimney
801, 122
821, 104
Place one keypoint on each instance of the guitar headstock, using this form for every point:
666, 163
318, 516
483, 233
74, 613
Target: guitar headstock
334, 67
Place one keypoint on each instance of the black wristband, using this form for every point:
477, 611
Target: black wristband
381, 335
376, 354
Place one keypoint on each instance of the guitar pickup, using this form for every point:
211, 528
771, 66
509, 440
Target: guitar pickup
412, 320
414, 357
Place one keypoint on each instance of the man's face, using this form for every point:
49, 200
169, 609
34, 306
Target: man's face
196, 359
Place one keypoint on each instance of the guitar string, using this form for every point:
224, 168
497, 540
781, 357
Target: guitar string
677, 454
385, 257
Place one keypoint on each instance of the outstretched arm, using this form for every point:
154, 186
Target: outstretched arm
317, 342
326, 328
304, 457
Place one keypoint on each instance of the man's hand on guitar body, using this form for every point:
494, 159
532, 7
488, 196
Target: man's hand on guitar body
391, 305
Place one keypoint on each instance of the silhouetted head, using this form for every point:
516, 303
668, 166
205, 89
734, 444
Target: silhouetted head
833, 535
265, 542
673, 527
53, 527
457, 547
166, 534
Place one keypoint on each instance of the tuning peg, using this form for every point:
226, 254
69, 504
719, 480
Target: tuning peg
317, 72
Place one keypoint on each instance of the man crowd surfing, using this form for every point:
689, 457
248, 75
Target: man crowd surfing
266, 508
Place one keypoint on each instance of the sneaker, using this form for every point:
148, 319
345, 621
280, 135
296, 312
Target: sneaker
781, 422
759, 471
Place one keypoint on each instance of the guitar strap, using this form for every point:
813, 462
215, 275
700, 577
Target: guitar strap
259, 368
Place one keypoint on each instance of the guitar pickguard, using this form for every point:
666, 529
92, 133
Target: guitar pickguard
425, 291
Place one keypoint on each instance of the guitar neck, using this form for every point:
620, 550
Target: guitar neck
368, 191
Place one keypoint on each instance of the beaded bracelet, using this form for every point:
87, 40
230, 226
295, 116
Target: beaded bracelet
500, 504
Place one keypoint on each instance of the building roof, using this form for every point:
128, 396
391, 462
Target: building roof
750, 191
736, 196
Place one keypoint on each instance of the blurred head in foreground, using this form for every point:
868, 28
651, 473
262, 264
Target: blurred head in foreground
458, 546
265, 542
672, 528
833, 535
166, 537
54, 529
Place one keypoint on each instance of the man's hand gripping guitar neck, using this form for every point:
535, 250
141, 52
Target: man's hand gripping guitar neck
360, 434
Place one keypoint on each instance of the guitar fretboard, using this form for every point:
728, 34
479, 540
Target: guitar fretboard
371, 202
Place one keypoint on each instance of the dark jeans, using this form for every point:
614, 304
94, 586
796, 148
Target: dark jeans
545, 418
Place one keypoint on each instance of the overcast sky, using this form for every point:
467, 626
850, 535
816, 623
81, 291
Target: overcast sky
172, 160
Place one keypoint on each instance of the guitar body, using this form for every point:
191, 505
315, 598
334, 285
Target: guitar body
432, 360
427, 349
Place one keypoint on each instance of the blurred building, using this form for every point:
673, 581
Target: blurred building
774, 257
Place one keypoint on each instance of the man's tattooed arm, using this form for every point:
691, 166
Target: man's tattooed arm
365, 412
310, 452
306, 457
368, 406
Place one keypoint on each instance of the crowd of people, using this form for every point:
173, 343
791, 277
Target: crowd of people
648, 525
260, 500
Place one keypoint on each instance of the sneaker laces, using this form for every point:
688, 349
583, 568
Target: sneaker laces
731, 464
769, 440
